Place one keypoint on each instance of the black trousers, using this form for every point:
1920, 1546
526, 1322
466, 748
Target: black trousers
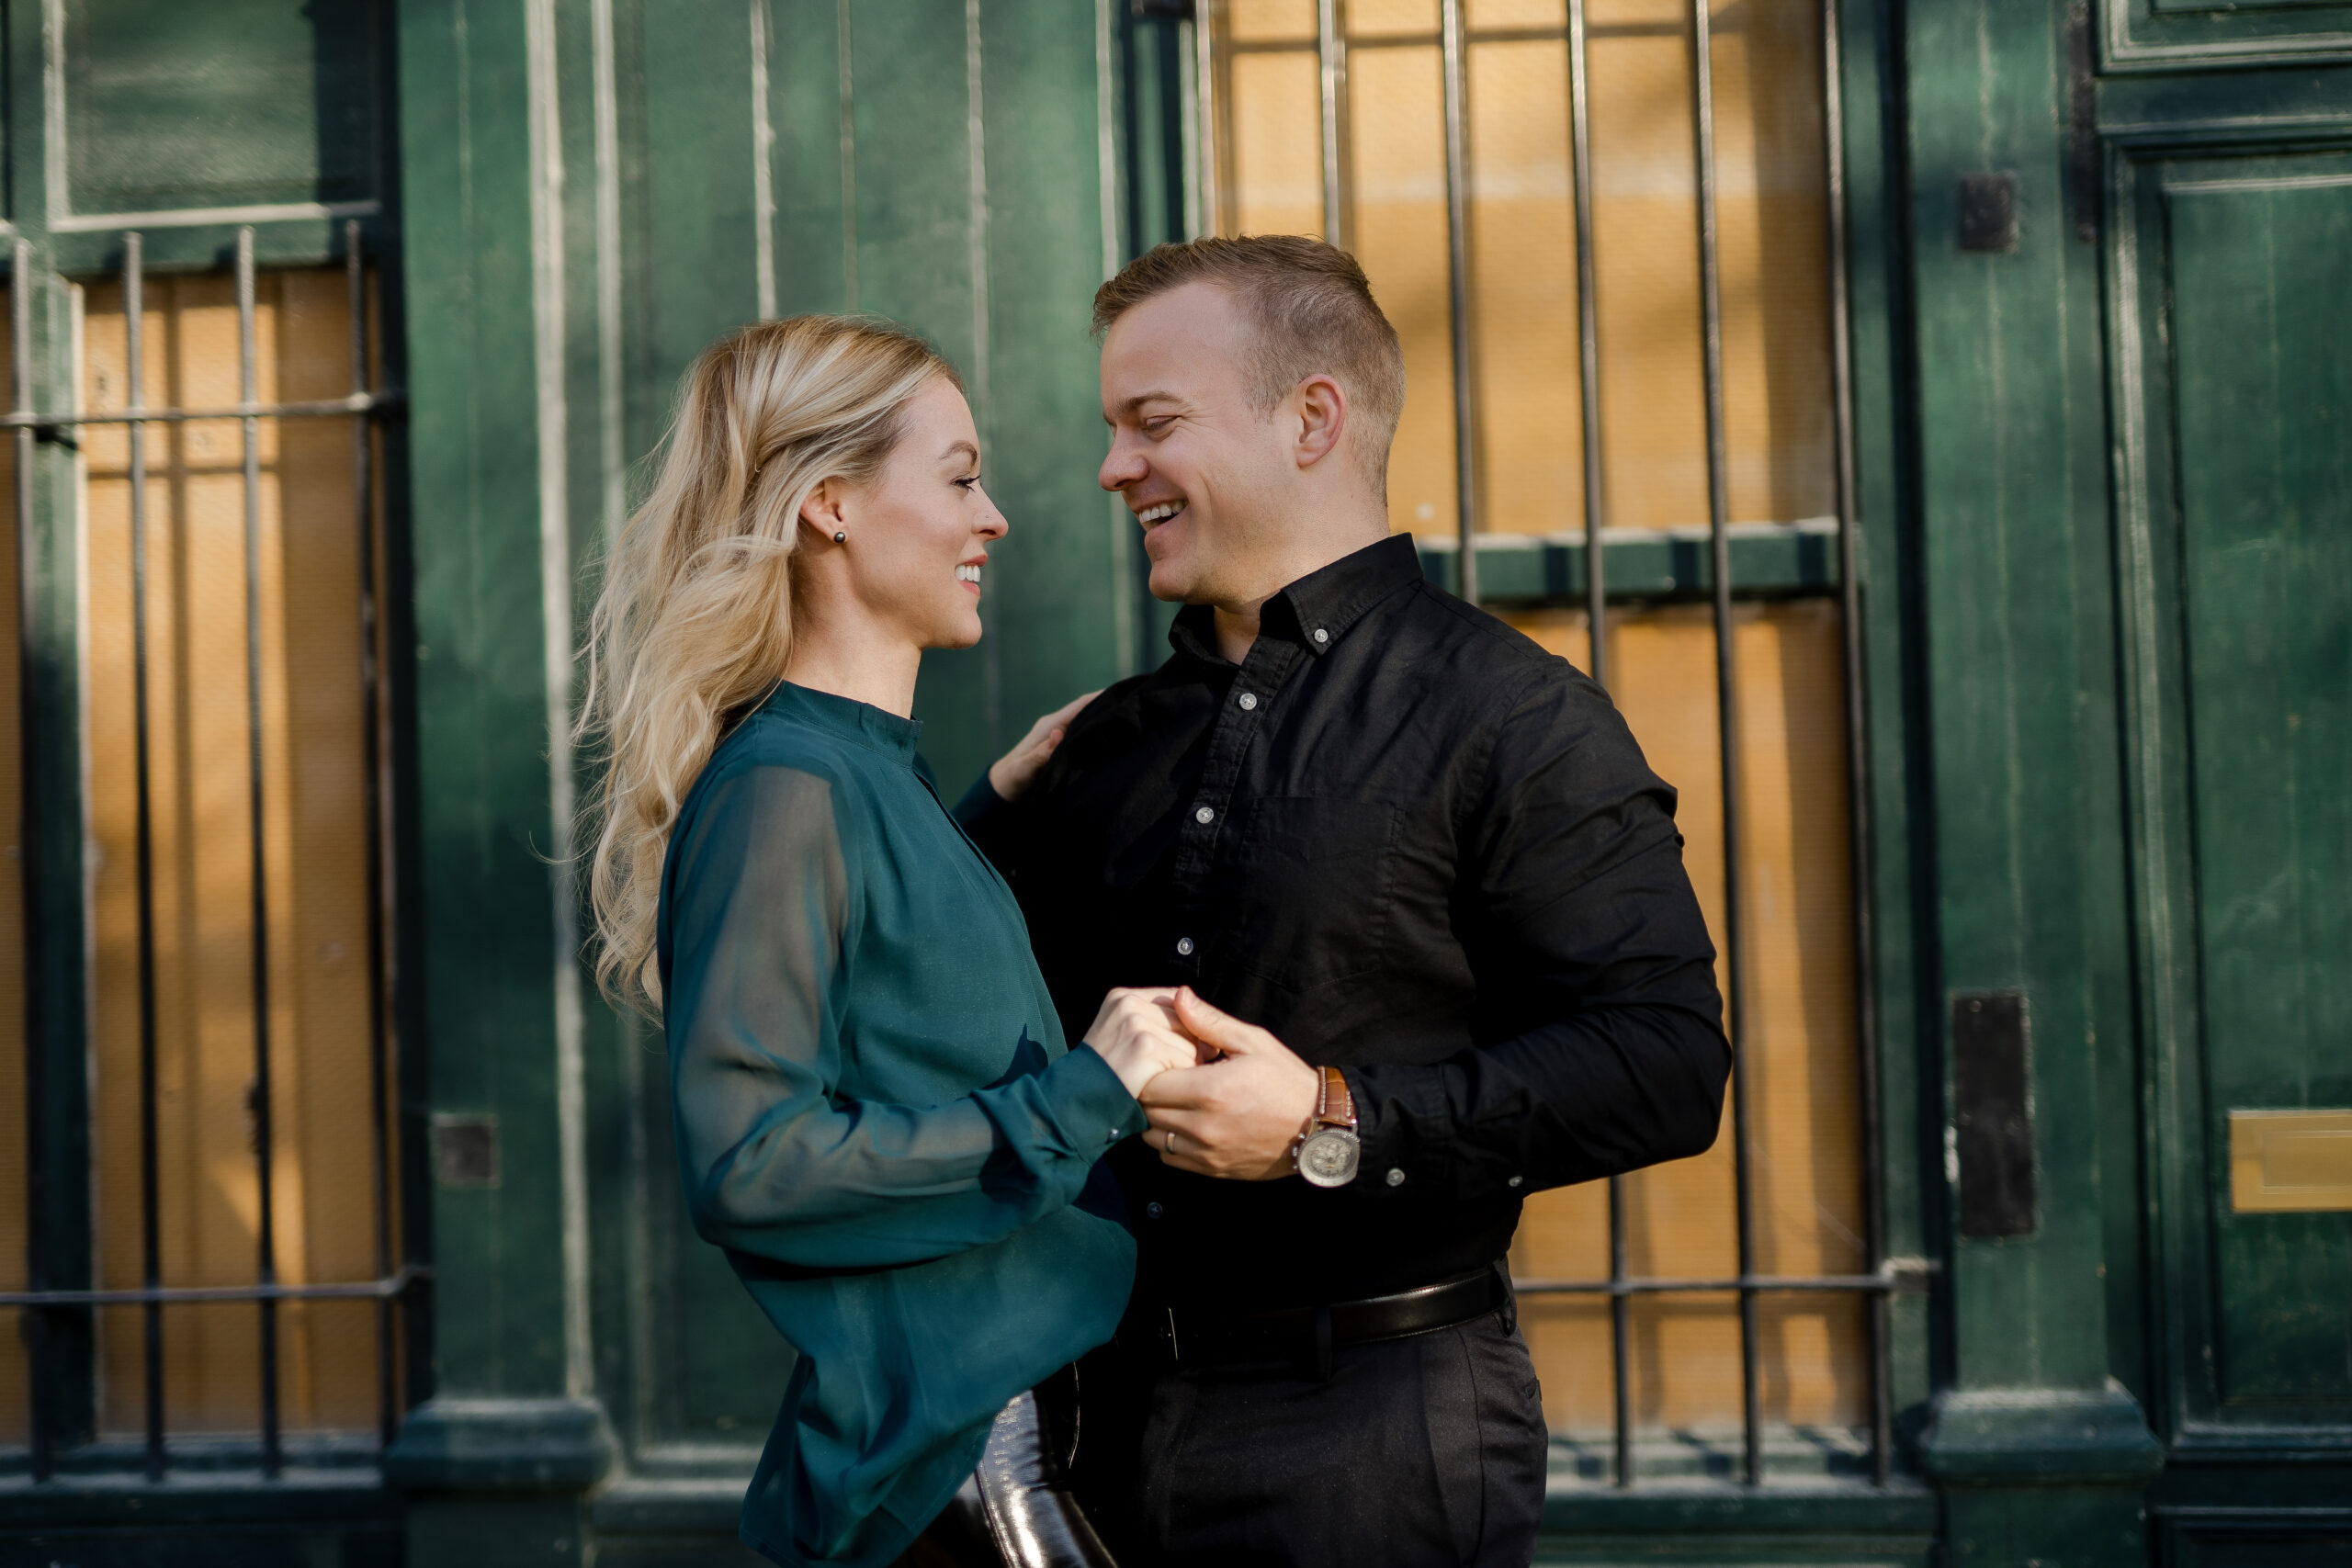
1414, 1452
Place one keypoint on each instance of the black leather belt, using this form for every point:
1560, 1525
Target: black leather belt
1307, 1335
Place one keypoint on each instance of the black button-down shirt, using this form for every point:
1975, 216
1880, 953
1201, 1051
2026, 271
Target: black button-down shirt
1415, 846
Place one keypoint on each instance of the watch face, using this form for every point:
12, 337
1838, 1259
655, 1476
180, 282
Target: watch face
1329, 1157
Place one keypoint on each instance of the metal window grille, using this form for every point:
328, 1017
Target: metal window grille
364, 407
1331, 47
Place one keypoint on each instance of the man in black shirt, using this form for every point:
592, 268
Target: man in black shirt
1411, 873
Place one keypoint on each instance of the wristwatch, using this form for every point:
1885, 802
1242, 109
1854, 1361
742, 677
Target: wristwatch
1328, 1152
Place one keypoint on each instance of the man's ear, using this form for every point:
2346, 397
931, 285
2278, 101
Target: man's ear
1321, 406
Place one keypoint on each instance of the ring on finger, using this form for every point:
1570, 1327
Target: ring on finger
1167, 1142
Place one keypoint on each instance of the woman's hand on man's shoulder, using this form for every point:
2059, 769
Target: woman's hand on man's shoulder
1013, 772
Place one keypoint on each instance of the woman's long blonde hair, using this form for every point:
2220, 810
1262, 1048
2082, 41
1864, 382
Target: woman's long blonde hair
694, 622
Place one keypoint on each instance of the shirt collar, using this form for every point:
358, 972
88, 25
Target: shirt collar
1317, 610
847, 717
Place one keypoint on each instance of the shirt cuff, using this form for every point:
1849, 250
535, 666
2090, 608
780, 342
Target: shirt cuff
1089, 1101
1399, 1109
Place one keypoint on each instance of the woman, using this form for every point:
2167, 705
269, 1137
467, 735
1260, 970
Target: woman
877, 1115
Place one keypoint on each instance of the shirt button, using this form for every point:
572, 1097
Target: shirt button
1205, 816
1322, 636
1518, 1181
1184, 946
1152, 1211
1249, 699
1396, 1176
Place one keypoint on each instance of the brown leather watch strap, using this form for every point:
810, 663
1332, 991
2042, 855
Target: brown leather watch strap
1335, 1107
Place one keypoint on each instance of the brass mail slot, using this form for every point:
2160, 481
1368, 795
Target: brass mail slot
2283, 1161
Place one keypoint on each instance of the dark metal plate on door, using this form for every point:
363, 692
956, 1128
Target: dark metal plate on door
1988, 212
1992, 1115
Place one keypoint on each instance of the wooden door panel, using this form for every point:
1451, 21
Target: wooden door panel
2236, 398
2263, 400
2170, 34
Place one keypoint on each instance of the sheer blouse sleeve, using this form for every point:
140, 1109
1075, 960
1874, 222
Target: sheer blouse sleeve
777, 1162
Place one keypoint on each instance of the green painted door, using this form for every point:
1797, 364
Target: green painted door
2238, 546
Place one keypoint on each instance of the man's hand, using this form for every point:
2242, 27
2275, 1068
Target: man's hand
1237, 1116
1135, 1033
1012, 772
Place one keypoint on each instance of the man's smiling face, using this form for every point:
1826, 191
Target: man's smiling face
1205, 470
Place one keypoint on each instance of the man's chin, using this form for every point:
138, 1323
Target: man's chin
1170, 583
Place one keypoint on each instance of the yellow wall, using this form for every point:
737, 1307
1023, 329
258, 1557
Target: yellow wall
314, 849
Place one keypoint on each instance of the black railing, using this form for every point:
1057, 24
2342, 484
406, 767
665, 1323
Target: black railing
1331, 46
364, 406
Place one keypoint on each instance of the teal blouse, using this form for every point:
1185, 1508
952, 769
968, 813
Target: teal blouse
878, 1119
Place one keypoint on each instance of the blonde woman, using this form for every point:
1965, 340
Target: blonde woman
878, 1117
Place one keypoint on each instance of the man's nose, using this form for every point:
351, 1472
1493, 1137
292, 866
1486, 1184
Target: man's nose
1122, 467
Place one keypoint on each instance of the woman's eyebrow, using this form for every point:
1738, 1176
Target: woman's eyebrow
971, 453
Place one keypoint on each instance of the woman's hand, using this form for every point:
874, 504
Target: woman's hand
1137, 1033
1011, 773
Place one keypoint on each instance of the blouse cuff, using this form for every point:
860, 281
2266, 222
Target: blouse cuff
1087, 1099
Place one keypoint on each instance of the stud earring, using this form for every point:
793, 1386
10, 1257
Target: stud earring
840, 539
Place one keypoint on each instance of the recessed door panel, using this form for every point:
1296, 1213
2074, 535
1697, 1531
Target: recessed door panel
2239, 569
2262, 393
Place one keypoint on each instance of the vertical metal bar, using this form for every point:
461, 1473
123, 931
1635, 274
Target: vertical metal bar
1331, 57
1595, 576
1727, 712
1620, 1339
363, 496
150, 1246
1857, 773
1209, 89
1457, 240
28, 827
1595, 609
266, 1260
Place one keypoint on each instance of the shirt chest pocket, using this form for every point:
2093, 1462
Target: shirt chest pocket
1309, 889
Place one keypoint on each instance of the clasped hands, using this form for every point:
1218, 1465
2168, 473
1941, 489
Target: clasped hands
1223, 1098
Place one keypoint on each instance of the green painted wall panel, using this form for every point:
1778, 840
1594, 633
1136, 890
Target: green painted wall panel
1060, 613
814, 246
2011, 483
169, 105
489, 955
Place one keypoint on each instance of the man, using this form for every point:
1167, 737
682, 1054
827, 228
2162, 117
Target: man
1419, 887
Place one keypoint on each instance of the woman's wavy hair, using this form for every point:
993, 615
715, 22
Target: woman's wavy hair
694, 625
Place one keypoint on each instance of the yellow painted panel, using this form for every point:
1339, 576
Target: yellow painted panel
1256, 21
1276, 147
1805, 1166
313, 850
2291, 1161
1770, 196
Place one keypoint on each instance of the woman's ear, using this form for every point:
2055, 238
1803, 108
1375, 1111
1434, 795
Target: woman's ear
822, 509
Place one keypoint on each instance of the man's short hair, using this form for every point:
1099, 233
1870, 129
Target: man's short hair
1314, 313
